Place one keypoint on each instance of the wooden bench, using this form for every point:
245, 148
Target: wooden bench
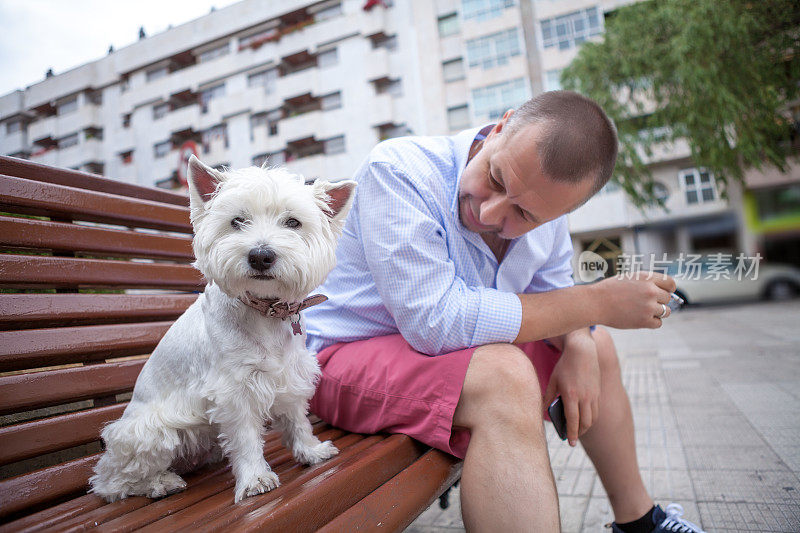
92, 273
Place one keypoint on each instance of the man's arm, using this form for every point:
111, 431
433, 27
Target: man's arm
620, 302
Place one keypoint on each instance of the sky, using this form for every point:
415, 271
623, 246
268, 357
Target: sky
62, 34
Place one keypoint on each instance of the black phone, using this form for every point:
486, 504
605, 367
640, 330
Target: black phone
556, 412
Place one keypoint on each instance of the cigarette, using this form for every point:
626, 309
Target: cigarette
677, 298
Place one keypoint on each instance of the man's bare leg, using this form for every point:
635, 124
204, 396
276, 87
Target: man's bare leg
507, 483
610, 441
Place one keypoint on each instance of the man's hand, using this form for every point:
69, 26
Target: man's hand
576, 377
634, 301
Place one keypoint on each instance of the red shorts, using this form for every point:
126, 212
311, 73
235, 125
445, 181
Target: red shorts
383, 384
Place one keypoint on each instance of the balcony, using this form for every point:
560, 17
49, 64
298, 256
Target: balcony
85, 116
42, 128
263, 143
184, 118
381, 109
14, 143
377, 64
90, 150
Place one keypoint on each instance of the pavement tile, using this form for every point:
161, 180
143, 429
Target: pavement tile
741, 516
746, 486
733, 458
572, 509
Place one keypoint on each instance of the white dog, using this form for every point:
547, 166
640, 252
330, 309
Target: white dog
237, 357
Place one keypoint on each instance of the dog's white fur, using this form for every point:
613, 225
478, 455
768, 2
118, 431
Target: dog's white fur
223, 369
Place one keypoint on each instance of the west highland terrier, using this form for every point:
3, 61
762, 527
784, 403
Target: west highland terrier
237, 357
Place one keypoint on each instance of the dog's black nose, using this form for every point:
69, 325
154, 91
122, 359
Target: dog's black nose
261, 258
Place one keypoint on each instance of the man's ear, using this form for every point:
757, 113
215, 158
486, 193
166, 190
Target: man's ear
336, 196
203, 182
501, 124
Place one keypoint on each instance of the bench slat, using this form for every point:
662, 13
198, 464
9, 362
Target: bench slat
48, 199
18, 310
394, 505
34, 348
352, 481
197, 516
22, 168
48, 271
198, 491
44, 485
30, 233
29, 439
52, 387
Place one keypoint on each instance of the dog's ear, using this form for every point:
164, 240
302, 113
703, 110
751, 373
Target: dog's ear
203, 182
336, 196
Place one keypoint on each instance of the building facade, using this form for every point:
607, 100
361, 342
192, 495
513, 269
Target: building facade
315, 85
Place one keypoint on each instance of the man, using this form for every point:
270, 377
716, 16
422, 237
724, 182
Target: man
458, 248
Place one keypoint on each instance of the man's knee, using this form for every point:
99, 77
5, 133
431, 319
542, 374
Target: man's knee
500, 383
606, 353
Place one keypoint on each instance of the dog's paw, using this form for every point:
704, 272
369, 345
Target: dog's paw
165, 483
316, 454
257, 484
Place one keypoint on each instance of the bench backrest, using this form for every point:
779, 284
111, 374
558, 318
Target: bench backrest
92, 273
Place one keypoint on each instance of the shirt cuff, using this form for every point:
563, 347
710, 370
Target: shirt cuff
499, 318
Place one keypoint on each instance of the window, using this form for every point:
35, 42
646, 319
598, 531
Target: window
327, 58
390, 130
328, 13
660, 191
552, 80
209, 94
385, 41
126, 120
160, 110
156, 73
265, 78
334, 145
331, 101
256, 40
13, 126
126, 157
453, 70
489, 103
213, 135
571, 29
448, 25
68, 106
218, 51
458, 118
493, 50
162, 149
69, 140
260, 159
484, 9
390, 86
698, 185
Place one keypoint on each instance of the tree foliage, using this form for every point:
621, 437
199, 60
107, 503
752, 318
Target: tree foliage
717, 73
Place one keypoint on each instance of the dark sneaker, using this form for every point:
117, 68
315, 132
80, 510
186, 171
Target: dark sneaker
669, 521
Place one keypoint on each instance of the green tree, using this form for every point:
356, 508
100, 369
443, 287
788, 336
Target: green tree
718, 73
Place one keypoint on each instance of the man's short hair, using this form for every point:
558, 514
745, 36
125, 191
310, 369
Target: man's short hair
579, 141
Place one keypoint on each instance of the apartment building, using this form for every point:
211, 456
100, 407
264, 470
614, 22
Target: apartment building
315, 85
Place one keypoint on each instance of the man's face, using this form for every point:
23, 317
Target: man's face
503, 192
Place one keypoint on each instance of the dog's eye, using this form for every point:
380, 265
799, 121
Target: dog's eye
292, 223
237, 222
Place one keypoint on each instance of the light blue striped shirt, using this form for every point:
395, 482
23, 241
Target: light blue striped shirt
407, 265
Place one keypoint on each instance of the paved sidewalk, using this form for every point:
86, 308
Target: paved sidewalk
716, 402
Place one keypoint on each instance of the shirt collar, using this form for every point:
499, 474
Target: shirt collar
463, 142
